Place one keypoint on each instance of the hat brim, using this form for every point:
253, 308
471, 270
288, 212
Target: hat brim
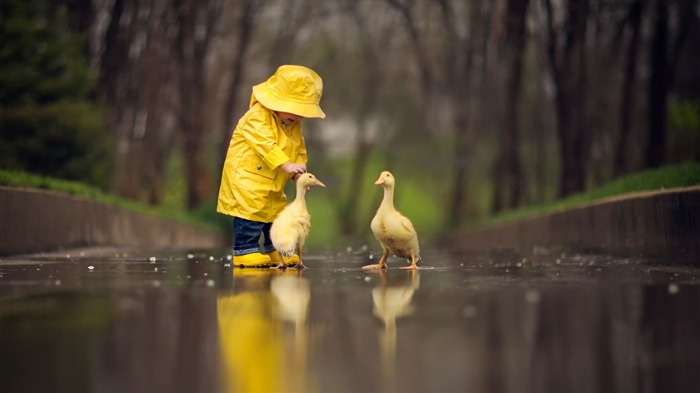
307, 110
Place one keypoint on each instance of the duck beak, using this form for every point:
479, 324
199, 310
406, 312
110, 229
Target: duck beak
318, 183
379, 181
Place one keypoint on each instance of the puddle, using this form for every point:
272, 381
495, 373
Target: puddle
185, 321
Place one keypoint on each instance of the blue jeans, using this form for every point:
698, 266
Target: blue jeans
246, 236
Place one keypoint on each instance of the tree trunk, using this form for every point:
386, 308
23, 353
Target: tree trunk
458, 203
655, 153
569, 74
246, 24
348, 212
510, 187
192, 49
628, 89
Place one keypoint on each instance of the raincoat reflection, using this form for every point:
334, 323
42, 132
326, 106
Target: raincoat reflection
259, 353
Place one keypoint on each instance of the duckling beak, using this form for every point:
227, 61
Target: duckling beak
379, 181
318, 183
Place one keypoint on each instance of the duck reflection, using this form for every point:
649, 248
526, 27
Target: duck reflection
257, 353
392, 300
292, 294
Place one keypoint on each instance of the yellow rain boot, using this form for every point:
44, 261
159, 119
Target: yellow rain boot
275, 258
255, 259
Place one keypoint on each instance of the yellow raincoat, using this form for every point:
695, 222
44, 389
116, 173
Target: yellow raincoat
252, 185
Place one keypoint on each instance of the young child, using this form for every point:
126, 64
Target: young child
267, 149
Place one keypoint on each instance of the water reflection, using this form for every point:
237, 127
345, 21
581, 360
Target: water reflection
463, 324
392, 300
263, 331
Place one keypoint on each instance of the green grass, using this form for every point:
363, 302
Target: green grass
24, 179
683, 175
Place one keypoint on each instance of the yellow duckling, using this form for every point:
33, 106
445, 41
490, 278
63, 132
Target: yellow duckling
290, 228
393, 231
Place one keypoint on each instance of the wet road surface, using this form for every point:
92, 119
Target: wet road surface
102, 320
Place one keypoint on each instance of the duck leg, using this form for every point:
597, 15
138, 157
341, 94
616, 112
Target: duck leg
282, 265
413, 265
300, 265
382, 262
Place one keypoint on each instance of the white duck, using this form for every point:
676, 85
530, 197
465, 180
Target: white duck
393, 231
290, 228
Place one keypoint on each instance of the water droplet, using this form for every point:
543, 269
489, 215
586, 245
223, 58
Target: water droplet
190, 256
211, 258
229, 257
155, 269
348, 249
469, 311
91, 267
532, 296
368, 279
673, 289
210, 283
152, 259
558, 261
57, 282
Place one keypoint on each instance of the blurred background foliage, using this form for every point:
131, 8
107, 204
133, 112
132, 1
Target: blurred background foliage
479, 107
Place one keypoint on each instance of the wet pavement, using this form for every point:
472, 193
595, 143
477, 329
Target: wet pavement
103, 320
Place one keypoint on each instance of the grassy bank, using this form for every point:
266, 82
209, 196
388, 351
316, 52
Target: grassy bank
683, 175
420, 198
23, 179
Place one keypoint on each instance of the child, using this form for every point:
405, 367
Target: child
267, 148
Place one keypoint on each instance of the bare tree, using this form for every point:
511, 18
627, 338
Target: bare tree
243, 33
371, 77
567, 61
197, 21
627, 98
459, 71
662, 66
510, 186
156, 74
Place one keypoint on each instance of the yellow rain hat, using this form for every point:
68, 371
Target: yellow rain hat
293, 89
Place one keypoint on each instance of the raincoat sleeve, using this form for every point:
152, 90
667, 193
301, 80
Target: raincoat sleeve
302, 158
260, 136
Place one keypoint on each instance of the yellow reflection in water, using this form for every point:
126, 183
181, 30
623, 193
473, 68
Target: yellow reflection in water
392, 300
258, 354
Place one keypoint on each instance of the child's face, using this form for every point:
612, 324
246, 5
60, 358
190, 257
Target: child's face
289, 118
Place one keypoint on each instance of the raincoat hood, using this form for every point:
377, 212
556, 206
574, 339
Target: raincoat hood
293, 89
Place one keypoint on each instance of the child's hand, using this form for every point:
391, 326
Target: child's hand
293, 169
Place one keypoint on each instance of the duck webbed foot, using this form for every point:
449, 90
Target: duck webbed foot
380, 265
413, 265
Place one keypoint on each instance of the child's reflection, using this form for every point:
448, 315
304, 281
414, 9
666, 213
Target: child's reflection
392, 300
251, 330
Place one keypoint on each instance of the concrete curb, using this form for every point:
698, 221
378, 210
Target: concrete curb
34, 220
651, 223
